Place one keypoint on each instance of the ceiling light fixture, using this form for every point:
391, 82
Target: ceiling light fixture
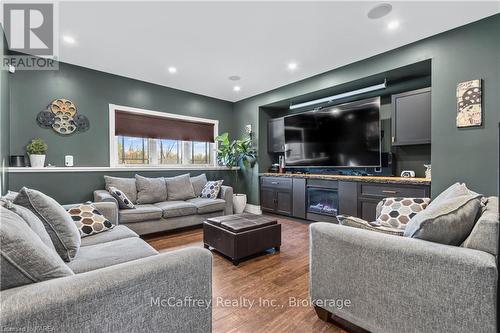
393, 25
292, 66
236, 88
379, 11
339, 96
69, 40
172, 70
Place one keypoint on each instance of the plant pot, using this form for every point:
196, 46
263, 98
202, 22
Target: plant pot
239, 203
37, 161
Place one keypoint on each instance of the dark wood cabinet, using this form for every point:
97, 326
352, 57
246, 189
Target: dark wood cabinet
276, 135
299, 198
276, 195
370, 195
411, 117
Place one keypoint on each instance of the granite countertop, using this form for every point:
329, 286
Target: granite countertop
370, 179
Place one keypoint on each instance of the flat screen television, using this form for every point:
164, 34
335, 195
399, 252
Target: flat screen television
340, 136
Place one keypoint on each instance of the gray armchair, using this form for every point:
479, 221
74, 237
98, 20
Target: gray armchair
390, 283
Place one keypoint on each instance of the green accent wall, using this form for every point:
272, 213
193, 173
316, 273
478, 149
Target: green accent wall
465, 53
4, 116
92, 92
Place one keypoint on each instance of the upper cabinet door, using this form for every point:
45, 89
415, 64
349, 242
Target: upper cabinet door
411, 118
276, 135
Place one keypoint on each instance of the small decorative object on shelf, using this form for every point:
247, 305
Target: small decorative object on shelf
408, 174
17, 161
62, 116
469, 110
36, 150
428, 171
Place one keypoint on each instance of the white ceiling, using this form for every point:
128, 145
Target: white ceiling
209, 41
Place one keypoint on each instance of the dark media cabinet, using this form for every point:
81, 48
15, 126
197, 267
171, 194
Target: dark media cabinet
322, 197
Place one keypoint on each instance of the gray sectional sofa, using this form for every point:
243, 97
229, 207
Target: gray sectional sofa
388, 283
179, 209
116, 283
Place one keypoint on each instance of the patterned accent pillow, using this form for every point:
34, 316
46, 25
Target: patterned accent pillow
89, 220
211, 189
123, 201
397, 212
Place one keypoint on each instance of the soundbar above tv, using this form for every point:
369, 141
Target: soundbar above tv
340, 136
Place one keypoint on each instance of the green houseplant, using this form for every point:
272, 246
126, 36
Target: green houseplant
236, 153
36, 150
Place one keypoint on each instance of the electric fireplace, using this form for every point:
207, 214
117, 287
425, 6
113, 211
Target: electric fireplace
322, 200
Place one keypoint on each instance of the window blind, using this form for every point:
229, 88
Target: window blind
154, 127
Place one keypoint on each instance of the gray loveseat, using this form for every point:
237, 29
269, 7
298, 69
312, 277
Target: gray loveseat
388, 283
120, 284
169, 214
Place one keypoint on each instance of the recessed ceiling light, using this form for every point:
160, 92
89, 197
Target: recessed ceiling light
172, 70
236, 88
234, 78
69, 40
292, 66
379, 11
393, 25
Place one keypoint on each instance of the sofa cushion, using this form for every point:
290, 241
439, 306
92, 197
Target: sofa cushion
139, 214
179, 188
199, 183
118, 232
111, 253
89, 220
211, 189
397, 212
448, 219
484, 235
33, 222
123, 201
150, 190
58, 223
355, 222
208, 205
176, 208
126, 185
24, 258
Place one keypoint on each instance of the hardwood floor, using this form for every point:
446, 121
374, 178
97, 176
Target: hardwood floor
273, 277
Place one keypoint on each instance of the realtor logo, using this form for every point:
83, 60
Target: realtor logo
29, 28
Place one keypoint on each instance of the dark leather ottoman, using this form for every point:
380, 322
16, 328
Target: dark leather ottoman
241, 235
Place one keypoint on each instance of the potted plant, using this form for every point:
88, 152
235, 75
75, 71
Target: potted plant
36, 150
239, 152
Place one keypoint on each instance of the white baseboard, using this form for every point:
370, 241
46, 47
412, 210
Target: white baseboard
254, 209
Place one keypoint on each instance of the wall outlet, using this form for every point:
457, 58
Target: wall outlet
248, 129
68, 160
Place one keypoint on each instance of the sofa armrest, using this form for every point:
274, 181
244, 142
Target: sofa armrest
433, 287
226, 193
104, 196
137, 296
108, 209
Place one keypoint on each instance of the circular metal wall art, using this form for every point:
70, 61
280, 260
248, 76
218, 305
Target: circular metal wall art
61, 115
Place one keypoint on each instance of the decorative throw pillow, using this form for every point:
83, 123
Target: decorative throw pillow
355, 222
89, 220
126, 185
211, 189
199, 183
24, 258
397, 212
33, 222
58, 223
123, 201
449, 218
180, 187
150, 190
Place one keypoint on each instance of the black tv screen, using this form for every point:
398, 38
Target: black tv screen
346, 135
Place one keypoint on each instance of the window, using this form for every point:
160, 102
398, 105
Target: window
150, 138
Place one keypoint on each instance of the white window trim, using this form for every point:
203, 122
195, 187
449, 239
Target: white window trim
113, 144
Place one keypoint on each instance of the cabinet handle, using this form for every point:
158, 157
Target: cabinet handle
274, 183
389, 192
393, 139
